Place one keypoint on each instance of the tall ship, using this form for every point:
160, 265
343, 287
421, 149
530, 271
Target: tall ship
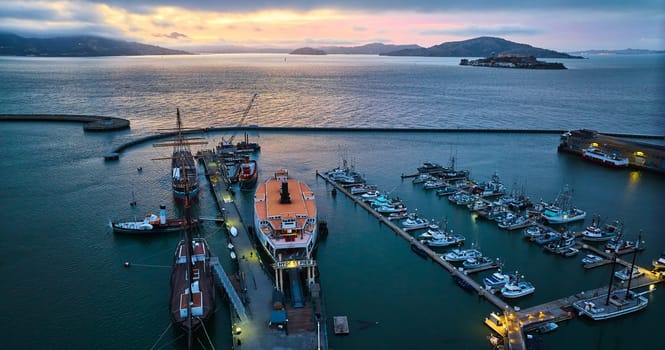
248, 174
192, 300
285, 217
184, 174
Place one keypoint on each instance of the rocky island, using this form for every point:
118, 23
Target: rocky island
307, 51
512, 61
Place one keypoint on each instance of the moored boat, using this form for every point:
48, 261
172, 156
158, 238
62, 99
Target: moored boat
591, 259
152, 224
184, 178
461, 254
613, 160
285, 217
192, 299
562, 211
659, 264
248, 174
516, 288
496, 280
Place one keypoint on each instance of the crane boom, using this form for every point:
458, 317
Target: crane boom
242, 119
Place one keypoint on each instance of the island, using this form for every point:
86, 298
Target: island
307, 51
512, 61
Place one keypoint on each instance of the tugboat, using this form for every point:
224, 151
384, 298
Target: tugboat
248, 174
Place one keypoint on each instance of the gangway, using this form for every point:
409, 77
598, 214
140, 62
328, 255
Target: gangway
223, 280
296, 289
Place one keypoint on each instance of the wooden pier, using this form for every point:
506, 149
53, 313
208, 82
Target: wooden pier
512, 322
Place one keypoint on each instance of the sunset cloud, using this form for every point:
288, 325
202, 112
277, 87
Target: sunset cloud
561, 25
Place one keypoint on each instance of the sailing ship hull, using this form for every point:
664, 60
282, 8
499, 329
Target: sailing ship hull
597, 310
202, 305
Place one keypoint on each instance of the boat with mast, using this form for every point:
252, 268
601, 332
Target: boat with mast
562, 211
616, 302
192, 300
184, 177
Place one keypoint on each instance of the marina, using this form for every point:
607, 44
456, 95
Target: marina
514, 322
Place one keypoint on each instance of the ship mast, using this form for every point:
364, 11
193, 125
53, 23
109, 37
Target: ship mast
632, 266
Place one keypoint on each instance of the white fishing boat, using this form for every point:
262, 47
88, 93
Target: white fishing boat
445, 240
591, 259
496, 280
562, 211
516, 288
461, 254
414, 223
628, 272
659, 264
478, 262
547, 327
600, 233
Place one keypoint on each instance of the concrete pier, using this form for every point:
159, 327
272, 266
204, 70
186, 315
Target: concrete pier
257, 287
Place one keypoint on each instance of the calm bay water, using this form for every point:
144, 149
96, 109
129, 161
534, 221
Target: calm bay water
66, 286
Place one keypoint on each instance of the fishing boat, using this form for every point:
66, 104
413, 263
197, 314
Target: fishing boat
248, 174
430, 167
192, 300
516, 288
461, 254
152, 224
517, 222
628, 272
560, 246
414, 223
659, 264
478, 262
612, 160
562, 211
601, 233
613, 303
285, 217
496, 280
436, 238
591, 259
547, 327
183, 168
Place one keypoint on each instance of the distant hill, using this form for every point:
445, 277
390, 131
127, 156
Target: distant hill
481, 47
618, 52
307, 51
77, 46
369, 49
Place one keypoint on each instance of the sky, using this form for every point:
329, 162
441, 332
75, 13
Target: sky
562, 25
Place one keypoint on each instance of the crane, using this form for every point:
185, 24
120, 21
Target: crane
229, 142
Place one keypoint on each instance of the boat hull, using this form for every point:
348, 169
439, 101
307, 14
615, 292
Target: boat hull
134, 228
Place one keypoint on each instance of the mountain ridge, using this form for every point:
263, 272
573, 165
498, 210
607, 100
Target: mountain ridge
77, 46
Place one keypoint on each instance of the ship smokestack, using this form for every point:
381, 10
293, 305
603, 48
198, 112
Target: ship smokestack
285, 197
162, 214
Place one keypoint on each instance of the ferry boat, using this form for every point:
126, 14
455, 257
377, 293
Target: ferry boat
152, 224
285, 217
613, 160
248, 174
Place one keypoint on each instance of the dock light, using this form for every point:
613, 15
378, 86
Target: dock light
639, 154
237, 330
652, 287
594, 144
